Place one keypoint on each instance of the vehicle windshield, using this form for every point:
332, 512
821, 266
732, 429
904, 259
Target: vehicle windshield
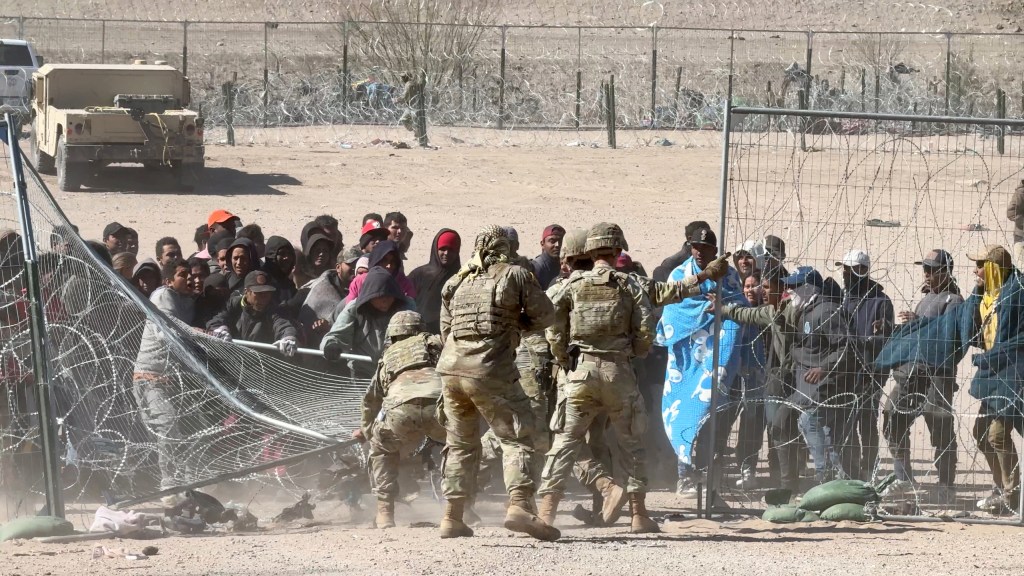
15, 56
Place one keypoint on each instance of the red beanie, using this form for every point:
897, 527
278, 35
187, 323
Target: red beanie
449, 240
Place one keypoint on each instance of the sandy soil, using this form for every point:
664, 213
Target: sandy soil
462, 186
340, 544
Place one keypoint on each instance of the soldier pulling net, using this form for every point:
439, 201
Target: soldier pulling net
215, 410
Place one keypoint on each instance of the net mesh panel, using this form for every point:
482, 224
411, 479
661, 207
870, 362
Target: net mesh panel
896, 190
236, 408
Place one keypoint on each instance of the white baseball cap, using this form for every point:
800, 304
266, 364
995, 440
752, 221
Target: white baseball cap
855, 259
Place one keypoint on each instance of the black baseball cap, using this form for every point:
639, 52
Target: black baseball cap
258, 281
938, 258
113, 229
704, 236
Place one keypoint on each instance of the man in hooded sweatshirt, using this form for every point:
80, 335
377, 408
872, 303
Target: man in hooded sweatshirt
362, 323
241, 259
387, 255
317, 312
319, 251
872, 318
430, 278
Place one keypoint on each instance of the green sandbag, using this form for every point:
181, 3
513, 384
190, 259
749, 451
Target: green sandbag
35, 527
786, 515
810, 516
829, 494
847, 511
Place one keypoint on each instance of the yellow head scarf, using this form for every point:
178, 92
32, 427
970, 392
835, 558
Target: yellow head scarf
994, 278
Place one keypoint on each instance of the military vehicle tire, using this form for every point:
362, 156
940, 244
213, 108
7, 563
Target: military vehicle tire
43, 162
69, 175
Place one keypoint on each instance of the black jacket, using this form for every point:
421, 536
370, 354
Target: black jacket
246, 324
428, 280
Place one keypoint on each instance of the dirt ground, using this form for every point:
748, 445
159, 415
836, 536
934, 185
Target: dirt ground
338, 544
462, 186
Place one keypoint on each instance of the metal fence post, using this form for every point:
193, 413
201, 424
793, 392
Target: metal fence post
103, 42
949, 67
716, 347
1001, 113
21, 28
579, 75
808, 62
501, 83
266, 72
344, 70
40, 364
184, 48
654, 73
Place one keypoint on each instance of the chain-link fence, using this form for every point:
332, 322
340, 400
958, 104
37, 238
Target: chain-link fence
345, 77
888, 350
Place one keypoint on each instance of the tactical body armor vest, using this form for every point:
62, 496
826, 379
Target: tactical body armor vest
599, 307
408, 354
476, 313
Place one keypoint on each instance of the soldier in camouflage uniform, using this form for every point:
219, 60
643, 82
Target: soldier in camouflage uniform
534, 361
484, 309
400, 405
593, 464
603, 319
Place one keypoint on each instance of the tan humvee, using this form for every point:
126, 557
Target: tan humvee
90, 115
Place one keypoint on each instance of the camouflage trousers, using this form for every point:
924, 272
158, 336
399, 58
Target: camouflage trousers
490, 460
506, 409
160, 417
597, 388
400, 427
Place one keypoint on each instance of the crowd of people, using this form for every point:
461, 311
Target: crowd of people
556, 354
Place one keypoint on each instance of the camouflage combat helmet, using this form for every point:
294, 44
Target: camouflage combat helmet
405, 323
574, 244
604, 235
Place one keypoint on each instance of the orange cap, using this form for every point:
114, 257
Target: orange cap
219, 217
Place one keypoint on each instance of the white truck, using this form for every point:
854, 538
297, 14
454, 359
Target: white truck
18, 61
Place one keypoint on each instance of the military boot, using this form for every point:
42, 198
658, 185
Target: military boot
520, 517
385, 514
548, 508
642, 523
452, 525
613, 496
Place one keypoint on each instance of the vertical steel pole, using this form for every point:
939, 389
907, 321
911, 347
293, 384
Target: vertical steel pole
809, 60
103, 42
345, 82
949, 67
184, 49
501, 83
21, 28
716, 358
579, 75
654, 72
40, 363
266, 72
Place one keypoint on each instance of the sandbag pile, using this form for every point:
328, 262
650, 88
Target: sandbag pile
834, 501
